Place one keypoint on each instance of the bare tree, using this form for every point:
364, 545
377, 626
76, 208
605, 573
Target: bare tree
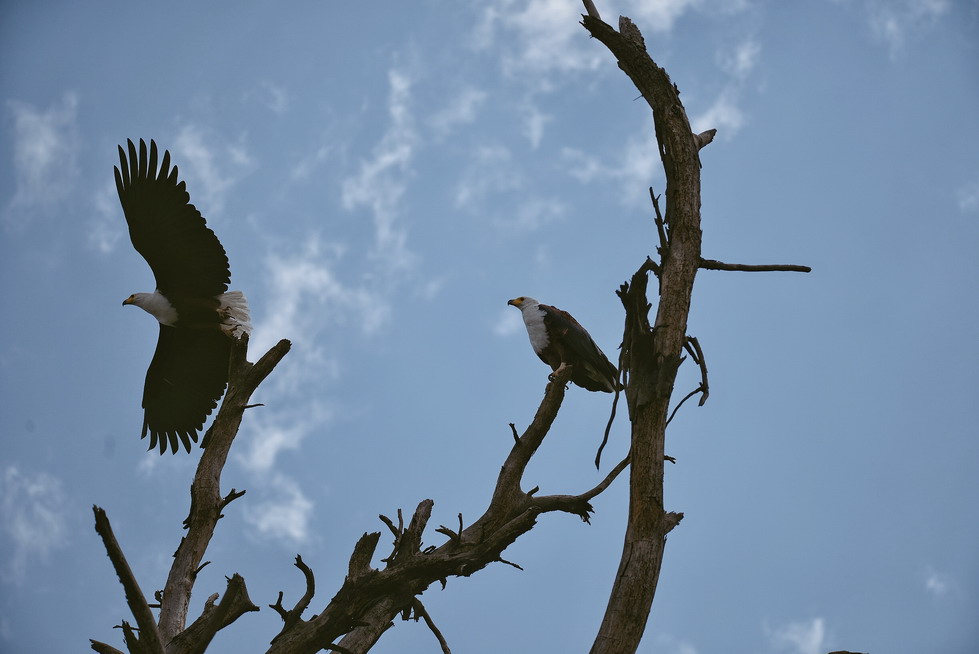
370, 598
652, 352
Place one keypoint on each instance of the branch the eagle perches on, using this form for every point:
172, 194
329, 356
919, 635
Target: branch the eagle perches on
369, 599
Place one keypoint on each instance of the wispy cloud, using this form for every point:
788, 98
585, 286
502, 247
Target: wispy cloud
531, 214
45, 161
534, 122
308, 298
461, 110
211, 170
634, 168
285, 515
658, 15
32, 511
941, 585
742, 60
547, 37
382, 179
509, 321
968, 197
307, 295
893, 22
725, 113
108, 225
273, 96
671, 645
803, 637
490, 171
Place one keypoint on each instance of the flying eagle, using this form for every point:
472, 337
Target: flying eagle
197, 315
558, 338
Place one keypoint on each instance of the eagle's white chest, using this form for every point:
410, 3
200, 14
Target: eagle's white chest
533, 318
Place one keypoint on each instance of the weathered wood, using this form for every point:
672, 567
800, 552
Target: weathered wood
370, 599
206, 501
652, 352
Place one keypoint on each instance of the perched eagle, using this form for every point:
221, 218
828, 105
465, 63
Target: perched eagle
558, 338
197, 315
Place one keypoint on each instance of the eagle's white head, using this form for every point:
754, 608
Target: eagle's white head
523, 303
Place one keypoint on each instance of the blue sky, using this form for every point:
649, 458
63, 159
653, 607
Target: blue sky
384, 177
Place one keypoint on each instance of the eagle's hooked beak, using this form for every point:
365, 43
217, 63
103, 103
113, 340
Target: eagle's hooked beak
515, 302
128, 300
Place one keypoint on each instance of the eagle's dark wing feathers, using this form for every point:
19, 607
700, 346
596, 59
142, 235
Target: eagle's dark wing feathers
184, 382
593, 370
186, 257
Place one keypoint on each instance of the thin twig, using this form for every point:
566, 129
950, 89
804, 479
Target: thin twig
420, 610
609, 478
611, 418
685, 398
697, 354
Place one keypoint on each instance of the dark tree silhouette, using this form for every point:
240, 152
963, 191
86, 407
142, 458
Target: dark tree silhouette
370, 598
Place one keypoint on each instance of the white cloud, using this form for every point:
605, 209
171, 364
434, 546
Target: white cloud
805, 637
209, 171
724, 115
508, 322
490, 170
535, 121
634, 168
550, 39
307, 164
532, 213
284, 517
306, 295
743, 60
671, 645
657, 15
893, 22
382, 179
460, 111
968, 196
32, 510
274, 97
547, 33
108, 227
941, 585
45, 154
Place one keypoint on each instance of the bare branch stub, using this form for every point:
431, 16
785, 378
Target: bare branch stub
149, 639
712, 264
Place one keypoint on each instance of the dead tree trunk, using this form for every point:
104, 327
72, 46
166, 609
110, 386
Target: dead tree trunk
652, 353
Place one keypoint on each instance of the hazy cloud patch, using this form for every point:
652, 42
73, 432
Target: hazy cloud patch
45, 155
382, 180
33, 513
801, 637
285, 515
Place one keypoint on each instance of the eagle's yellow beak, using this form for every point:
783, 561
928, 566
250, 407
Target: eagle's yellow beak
128, 300
516, 302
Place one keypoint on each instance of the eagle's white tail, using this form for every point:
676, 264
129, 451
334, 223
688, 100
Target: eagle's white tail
234, 308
